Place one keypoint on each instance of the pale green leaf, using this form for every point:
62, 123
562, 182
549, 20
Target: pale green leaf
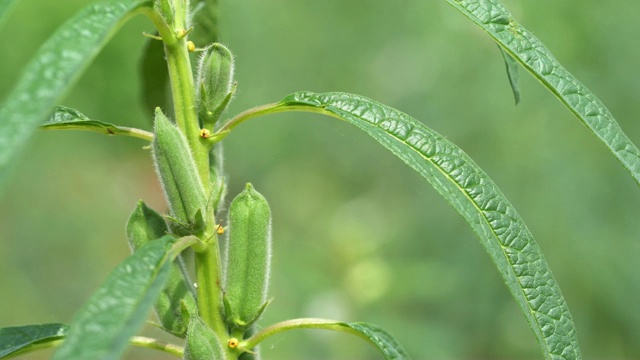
117, 310
492, 17
54, 70
65, 118
476, 197
19, 339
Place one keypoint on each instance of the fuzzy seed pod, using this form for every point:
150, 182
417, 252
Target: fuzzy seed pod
177, 300
215, 83
180, 181
202, 342
248, 256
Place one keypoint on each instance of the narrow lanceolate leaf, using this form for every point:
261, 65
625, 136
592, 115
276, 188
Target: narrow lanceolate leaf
5, 6
117, 310
54, 69
512, 73
19, 339
530, 52
65, 118
475, 196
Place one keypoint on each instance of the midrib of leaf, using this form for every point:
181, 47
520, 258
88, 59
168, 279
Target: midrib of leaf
495, 222
55, 69
493, 17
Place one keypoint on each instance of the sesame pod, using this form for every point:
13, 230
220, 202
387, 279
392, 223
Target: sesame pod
202, 342
215, 84
180, 181
177, 300
247, 258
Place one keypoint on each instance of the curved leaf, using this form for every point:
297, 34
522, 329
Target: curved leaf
492, 17
54, 69
512, 73
475, 196
387, 344
65, 118
20, 338
102, 328
5, 7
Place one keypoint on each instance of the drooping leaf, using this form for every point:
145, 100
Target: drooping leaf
474, 196
54, 70
65, 118
117, 310
493, 17
387, 344
154, 74
21, 338
5, 7
512, 73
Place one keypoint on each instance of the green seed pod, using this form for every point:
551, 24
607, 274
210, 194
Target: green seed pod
180, 181
248, 254
202, 342
215, 84
177, 300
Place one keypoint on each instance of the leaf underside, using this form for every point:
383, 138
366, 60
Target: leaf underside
102, 328
54, 70
512, 73
67, 118
20, 338
475, 196
493, 17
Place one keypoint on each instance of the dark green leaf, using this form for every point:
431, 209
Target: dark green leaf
54, 69
155, 77
513, 74
20, 338
5, 7
64, 118
387, 344
476, 197
205, 22
117, 310
492, 17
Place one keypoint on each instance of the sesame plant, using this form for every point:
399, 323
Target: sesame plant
212, 301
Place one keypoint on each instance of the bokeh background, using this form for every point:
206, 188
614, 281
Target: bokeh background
357, 235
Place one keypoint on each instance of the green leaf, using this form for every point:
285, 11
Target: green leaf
155, 77
387, 344
19, 339
5, 7
513, 74
54, 70
204, 17
102, 328
64, 118
475, 196
492, 17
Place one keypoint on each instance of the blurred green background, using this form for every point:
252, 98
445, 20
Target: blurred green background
357, 235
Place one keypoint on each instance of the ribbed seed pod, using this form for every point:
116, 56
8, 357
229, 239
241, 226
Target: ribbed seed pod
215, 83
202, 342
180, 181
178, 296
247, 258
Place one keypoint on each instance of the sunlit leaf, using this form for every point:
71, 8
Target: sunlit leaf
492, 17
20, 338
474, 196
117, 310
54, 70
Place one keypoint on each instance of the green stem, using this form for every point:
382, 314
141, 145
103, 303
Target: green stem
304, 323
208, 280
